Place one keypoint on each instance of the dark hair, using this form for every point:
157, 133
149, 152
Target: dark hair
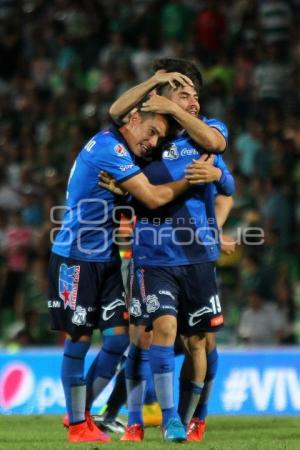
183, 66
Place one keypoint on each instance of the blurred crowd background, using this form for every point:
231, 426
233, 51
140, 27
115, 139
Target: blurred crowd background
62, 65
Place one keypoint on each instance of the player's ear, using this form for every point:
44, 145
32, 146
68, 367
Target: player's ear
135, 118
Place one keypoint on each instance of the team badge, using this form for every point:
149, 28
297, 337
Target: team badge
171, 153
135, 308
68, 284
120, 150
152, 303
79, 316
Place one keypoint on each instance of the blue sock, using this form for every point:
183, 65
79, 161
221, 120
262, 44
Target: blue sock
137, 370
73, 381
189, 395
150, 396
105, 365
162, 362
212, 367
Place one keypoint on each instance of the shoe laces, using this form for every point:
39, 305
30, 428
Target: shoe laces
175, 422
133, 428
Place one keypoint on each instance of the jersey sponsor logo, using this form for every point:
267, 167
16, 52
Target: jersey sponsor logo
216, 321
171, 153
196, 317
108, 311
126, 167
189, 152
68, 281
79, 316
120, 150
168, 293
152, 303
135, 308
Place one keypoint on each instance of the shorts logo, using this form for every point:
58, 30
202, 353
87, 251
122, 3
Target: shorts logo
194, 317
168, 293
68, 284
152, 304
135, 308
171, 153
120, 150
79, 316
108, 312
216, 321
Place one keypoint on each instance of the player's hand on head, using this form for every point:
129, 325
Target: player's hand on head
202, 170
109, 183
163, 77
158, 104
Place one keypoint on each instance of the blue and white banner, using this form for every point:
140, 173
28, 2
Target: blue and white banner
248, 382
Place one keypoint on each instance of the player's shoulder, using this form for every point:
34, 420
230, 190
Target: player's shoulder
216, 123
108, 140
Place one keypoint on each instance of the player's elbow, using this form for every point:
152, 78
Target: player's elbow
215, 143
114, 113
152, 202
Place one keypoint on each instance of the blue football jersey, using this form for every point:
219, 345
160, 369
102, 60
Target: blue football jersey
87, 231
185, 230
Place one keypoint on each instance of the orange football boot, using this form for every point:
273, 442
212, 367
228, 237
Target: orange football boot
82, 432
133, 433
196, 429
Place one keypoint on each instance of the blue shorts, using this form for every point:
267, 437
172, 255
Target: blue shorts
84, 296
187, 292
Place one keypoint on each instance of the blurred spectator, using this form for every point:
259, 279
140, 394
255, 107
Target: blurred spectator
261, 323
210, 29
17, 245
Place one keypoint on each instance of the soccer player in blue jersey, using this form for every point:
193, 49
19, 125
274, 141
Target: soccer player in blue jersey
174, 252
85, 283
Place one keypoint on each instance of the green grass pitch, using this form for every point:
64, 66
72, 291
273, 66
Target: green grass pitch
223, 433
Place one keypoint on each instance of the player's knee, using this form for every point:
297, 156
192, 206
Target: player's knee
195, 344
165, 327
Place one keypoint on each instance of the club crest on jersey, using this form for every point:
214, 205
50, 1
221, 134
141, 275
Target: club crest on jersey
68, 284
171, 153
79, 316
120, 150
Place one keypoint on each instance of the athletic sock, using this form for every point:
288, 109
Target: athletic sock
189, 395
104, 366
212, 367
150, 396
137, 370
162, 363
73, 381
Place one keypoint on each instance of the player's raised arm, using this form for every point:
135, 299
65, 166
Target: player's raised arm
154, 196
182, 103
128, 100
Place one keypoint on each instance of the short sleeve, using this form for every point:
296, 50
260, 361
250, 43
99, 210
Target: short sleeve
218, 125
106, 153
